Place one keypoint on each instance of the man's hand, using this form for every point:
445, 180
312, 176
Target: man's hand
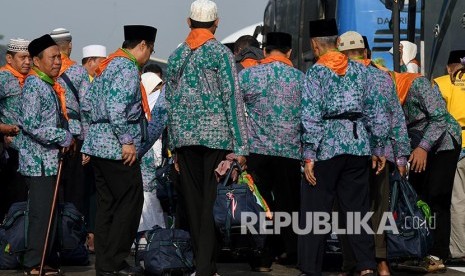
309, 173
85, 159
378, 163
129, 154
7, 140
402, 170
418, 159
70, 147
9, 130
241, 160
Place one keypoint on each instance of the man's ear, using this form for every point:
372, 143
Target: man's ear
288, 54
9, 59
189, 23
35, 61
216, 22
365, 53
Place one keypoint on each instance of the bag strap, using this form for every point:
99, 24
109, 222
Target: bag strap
181, 71
234, 165
71, 86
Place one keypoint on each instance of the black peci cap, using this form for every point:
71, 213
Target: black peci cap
140, 32
39, 44
278, 40
456, 56
322, 28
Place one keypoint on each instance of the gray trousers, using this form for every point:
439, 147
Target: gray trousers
457, 213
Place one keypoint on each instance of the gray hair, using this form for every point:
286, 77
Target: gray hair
327, 40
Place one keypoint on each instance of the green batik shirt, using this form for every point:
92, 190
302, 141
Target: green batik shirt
205, 105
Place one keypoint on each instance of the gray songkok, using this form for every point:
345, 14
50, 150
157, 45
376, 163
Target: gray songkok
61, 34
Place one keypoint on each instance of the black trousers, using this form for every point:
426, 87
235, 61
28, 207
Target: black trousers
278, 180
119, 206
40, 199
379, 197
198, 187
73, 182
344, 177
434, 186
13, 186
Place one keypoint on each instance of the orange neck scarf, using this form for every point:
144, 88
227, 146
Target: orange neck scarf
249, 62
273, 58
403, 81
21, 78
59, 90
197, 37
335, 61
66, 62
363, 61
122, 53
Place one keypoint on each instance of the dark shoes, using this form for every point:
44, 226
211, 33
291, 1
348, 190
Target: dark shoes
128, 271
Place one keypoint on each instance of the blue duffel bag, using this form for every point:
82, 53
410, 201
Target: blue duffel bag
168, 250
12, 236
414, 238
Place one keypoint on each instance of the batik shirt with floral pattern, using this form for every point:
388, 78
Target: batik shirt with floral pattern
10, 98
113, 107
80, 79
205, 106
329, 95
155, 126
39, 145
398, 143
272, 95
425, 112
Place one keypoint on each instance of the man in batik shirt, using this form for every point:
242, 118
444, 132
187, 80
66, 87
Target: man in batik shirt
454, 94
12, 77
73, 77
397, 146
43, 114
206, 121
272, 95
117, 104
339, 107
435, 138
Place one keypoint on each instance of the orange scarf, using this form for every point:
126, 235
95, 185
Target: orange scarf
249, 62
21, 78
363, 61
403, 81
270, 59
120, 53
335, 61
198, 37
66, 62
59, 90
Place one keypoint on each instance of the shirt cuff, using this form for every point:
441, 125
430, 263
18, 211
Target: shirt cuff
425, 145
125, 139
309, 155
401, 161
378, 151
67, 141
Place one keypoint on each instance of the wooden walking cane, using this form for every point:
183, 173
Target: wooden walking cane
55, 195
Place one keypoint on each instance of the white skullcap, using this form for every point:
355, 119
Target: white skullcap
18, 45
409, 51
61, 34
203, 11
94, 51
350, 40
150, 80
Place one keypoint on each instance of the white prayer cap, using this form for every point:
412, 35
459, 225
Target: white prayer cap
18, 45
61, 34
350, 40
409, 51
203, 11
94, 51
150, 80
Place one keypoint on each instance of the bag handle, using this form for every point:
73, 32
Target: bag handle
234, 165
